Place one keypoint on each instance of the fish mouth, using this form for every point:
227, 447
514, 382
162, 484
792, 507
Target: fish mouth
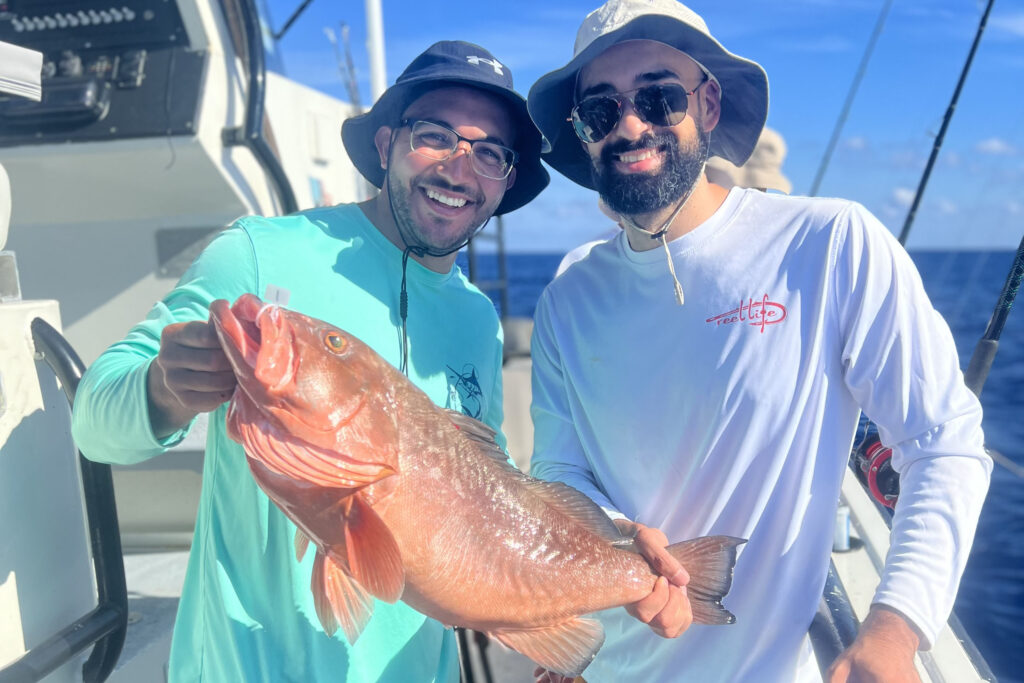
257, 340
260, 344
239, 335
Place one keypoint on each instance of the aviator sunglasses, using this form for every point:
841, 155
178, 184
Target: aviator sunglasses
662, 105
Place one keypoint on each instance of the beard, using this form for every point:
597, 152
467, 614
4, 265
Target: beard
635, 194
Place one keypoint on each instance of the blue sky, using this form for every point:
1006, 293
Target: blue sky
811, 50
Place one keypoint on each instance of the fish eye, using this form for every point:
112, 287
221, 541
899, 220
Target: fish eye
334, 341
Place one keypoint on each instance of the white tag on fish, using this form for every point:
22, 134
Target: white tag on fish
276, 295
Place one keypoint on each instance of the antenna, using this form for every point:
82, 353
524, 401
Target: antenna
850, 96
346, 68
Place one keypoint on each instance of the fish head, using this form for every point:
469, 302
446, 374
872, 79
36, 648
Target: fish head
311, 381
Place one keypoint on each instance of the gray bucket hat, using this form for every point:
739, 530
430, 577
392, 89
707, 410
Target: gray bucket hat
744, 83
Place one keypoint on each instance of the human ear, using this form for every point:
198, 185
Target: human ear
511, 179
382, 141
711, 100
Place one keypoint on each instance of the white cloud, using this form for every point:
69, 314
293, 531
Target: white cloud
902, 196
995, 146
1010, 23
857, 143
1015, 208
946, 207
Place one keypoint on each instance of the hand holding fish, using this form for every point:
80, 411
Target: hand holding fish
666, 610
190, 375
883, 651
402, 499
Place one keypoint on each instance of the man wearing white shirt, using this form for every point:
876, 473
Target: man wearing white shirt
703, 371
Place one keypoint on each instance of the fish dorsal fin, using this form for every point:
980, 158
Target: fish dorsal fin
565, 648
339, 599
374, 559
577, 506
479, 433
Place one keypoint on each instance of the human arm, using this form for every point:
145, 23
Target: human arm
113, 420
900, 365
559, 456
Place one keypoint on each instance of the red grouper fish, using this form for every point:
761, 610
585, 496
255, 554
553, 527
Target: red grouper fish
406, 500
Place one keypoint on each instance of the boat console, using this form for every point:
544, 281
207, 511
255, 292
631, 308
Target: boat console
111, 70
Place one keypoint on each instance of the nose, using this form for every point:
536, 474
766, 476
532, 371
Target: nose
460, 164
630, 124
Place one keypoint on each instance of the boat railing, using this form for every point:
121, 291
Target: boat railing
105, 626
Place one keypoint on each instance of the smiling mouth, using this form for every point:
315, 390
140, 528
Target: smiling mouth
634, 156
446, 199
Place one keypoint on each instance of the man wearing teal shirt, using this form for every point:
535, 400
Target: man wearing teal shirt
449, 145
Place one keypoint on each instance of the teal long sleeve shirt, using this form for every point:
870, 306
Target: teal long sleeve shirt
246, 610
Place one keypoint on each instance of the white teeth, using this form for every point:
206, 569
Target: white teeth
445, 199
639, 155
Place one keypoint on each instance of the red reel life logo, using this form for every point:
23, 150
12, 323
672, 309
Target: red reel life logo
758, 313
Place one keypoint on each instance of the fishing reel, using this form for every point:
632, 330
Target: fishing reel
872, 462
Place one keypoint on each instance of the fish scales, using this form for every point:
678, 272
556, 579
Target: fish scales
402, 499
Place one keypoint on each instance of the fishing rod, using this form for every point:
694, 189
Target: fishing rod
851, 94
872, 461
985, 350
945, 124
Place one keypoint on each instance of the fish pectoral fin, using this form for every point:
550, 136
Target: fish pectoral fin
479, 433
301, 543
565, 648
339, 600
373, 555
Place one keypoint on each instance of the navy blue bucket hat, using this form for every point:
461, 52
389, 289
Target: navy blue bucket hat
743, 83
442, 64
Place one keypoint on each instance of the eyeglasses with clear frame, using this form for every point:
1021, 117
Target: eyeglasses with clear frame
662, 104
437, 142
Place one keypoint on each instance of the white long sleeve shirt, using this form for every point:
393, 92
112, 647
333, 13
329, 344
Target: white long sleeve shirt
735, 414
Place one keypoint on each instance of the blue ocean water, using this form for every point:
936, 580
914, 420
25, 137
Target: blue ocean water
964, 288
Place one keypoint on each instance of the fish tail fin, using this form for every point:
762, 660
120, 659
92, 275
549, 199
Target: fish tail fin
709, 560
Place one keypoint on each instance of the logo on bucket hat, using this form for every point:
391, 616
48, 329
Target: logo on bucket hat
495, 64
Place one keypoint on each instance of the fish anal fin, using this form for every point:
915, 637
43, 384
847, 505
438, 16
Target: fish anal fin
301, 543
580, 508
565, 648
709, 560
321, 602
339, 600
374, 559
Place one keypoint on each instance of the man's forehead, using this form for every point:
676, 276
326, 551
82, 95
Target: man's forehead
635, 60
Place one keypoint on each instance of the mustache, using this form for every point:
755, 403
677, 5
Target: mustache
440, 183
645, 141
